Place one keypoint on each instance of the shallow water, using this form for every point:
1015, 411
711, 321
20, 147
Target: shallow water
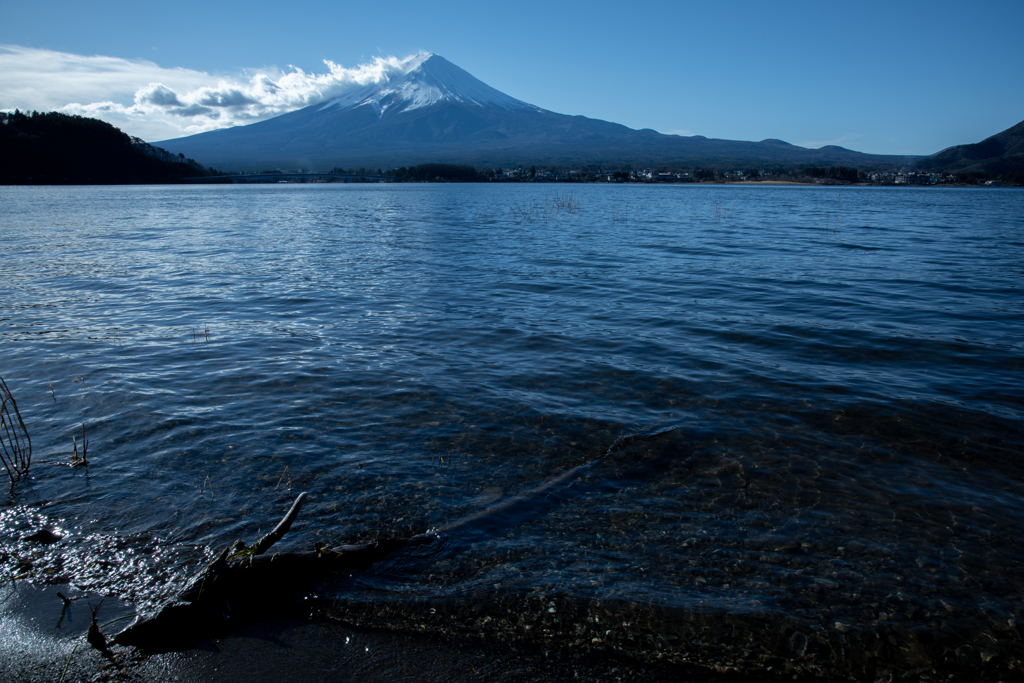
843, 370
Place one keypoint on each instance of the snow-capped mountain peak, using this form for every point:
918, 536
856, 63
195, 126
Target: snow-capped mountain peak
423, 80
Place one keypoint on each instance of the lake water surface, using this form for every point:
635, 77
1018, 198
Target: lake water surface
829, 383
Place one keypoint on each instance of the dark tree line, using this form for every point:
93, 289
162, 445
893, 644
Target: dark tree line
351, 171
835, 172
452, 173
1016, 179
50, 148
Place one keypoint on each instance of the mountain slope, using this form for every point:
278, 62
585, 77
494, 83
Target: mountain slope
436, 112
999, 154
428, 79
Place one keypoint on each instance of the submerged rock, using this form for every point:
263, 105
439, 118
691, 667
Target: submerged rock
43, 536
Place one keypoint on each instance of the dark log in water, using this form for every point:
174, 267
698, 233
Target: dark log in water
242, 576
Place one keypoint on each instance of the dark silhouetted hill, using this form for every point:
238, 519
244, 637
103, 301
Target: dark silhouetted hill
58, 149
1001, 154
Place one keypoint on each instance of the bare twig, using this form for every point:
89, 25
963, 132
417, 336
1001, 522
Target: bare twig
19, 577
441, 459
282, 478
520, 211
64, 610
566, 201
207, 485
94, 636
83, 637
83, 459
620, 214
15, 442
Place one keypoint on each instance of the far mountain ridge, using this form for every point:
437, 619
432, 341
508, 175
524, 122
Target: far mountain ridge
434, 111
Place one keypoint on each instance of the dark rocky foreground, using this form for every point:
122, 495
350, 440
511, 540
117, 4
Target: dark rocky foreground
267, 620
294, 647
251, 612
320, 643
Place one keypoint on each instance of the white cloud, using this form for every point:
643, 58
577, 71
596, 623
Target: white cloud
677, 131
157, 103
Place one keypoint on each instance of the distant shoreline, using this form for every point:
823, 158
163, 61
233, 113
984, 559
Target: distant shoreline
773, 182
745, 183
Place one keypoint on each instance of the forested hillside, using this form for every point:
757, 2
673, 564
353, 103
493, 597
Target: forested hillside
50, 148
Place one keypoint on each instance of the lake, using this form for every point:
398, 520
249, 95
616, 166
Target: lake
825, 386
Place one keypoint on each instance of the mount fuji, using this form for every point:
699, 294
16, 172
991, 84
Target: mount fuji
433, 111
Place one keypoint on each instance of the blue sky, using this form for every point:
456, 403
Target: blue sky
899, 78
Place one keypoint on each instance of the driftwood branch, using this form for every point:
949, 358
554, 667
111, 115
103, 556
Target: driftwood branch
238, 581
263, 545
242, 580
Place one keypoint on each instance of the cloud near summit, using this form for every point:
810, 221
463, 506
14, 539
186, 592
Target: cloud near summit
157, 103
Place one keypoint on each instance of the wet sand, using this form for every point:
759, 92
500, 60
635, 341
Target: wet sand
285, 649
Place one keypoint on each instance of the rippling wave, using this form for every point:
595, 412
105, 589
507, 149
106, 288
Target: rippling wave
844, 368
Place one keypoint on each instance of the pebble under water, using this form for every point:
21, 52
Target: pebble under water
828, 381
